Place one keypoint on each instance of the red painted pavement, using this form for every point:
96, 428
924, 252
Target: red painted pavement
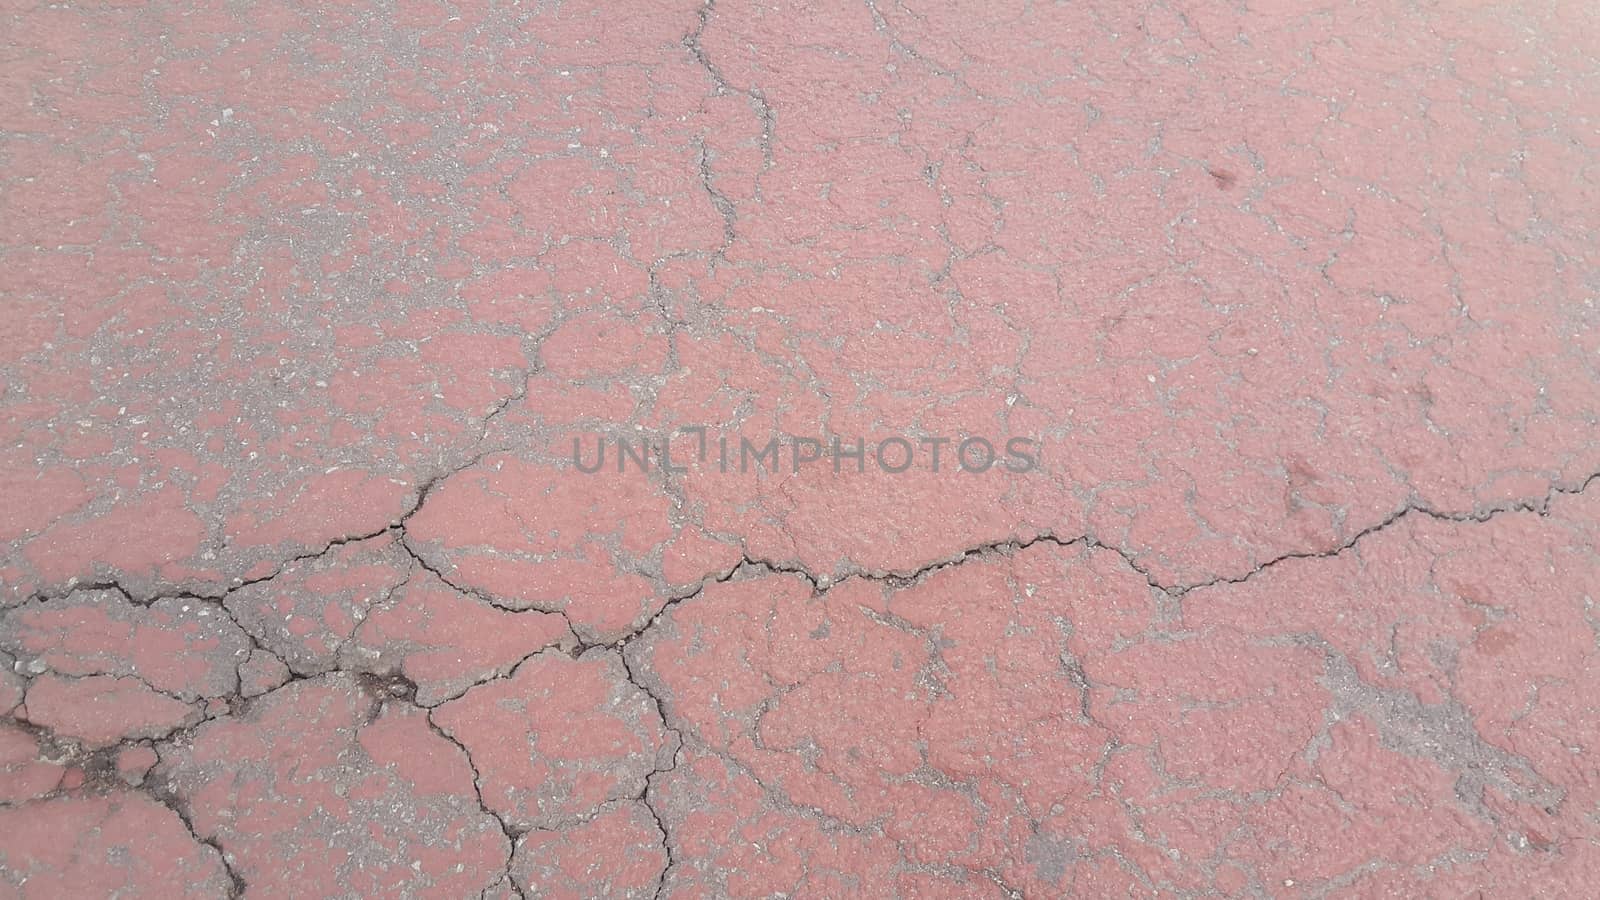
303, 593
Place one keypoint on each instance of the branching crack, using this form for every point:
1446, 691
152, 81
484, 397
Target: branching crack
763, 109
749, 566
645, 797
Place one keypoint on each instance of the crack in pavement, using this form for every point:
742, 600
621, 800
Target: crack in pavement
511, 835
1430, 732
645, 797
763, 109
180, 807
1540, 507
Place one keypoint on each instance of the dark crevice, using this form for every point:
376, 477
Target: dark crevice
645, 797
180, 807
1541, 507
99, 765
488, 598
512, 835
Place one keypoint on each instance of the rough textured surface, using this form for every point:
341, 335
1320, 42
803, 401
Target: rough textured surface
618, 853
303, 592
104, 843
327, 787
585, 736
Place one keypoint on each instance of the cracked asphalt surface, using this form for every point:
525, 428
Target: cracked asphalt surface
303, 591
